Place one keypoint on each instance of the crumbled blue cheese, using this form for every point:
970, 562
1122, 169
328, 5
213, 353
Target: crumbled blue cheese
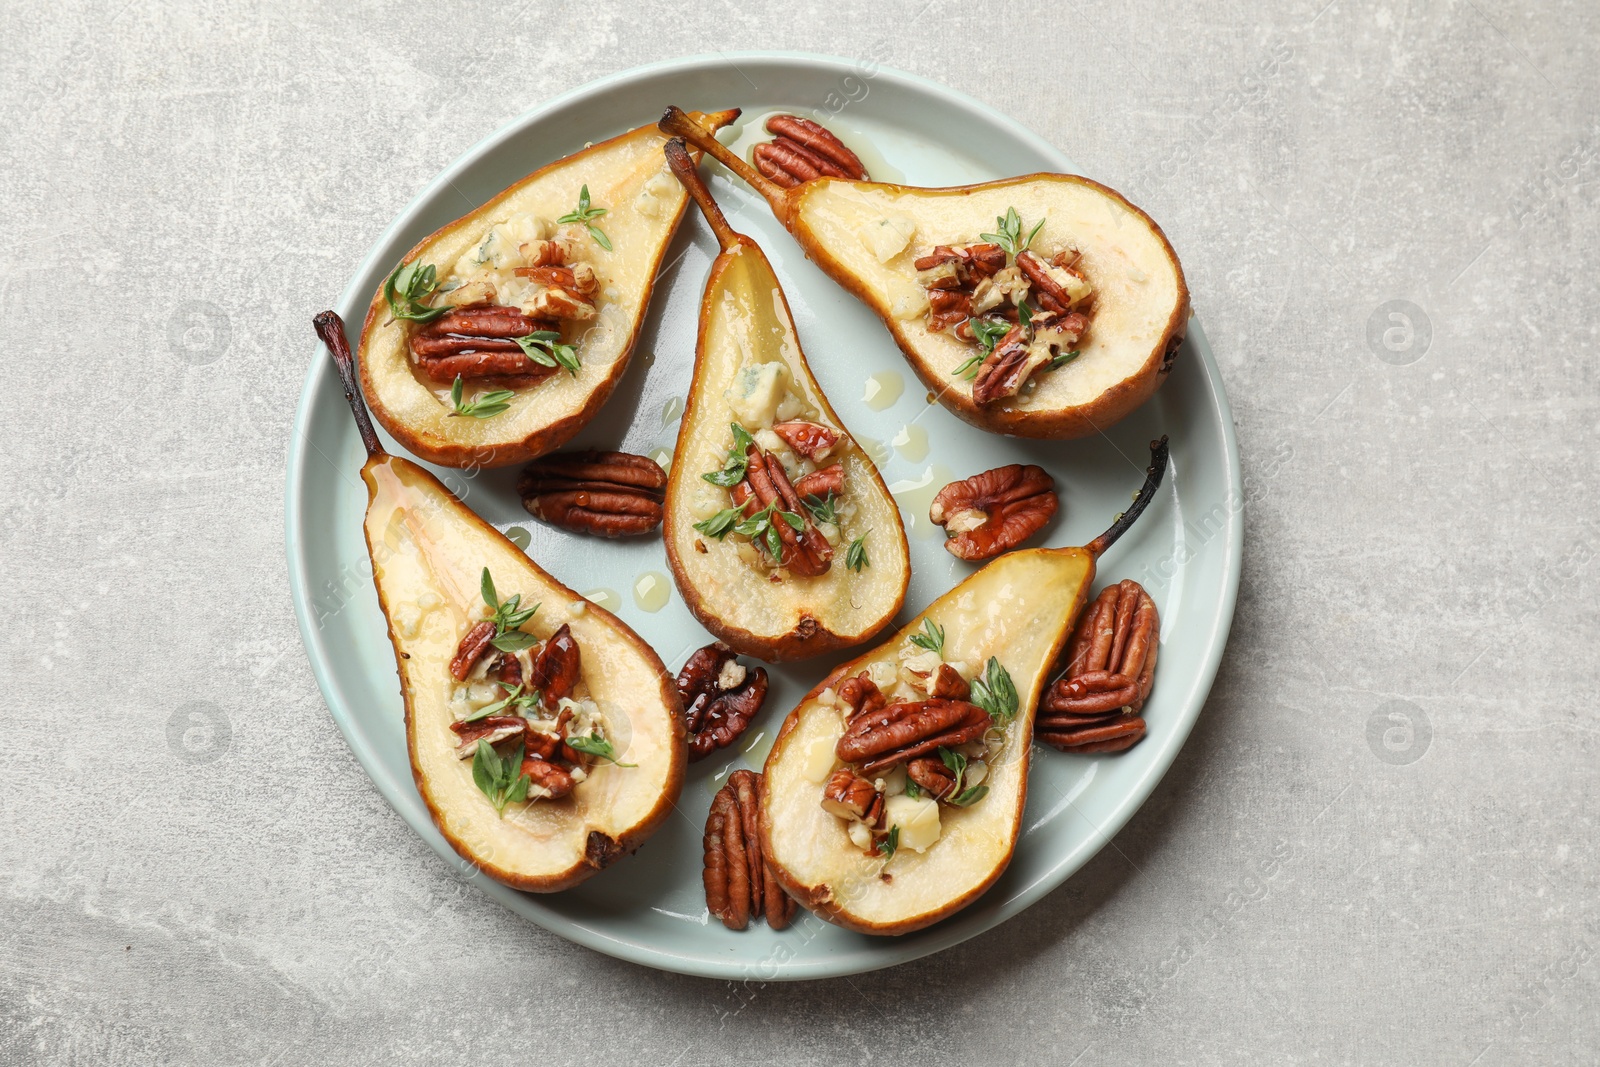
656, 194
883, 675
756, 392
407, 619
887, 237
910, 303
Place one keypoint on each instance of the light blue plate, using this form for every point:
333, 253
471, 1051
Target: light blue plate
650, 909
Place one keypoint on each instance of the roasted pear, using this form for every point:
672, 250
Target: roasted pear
894, 791
1040, 306
539, 803
781, 535
499, 336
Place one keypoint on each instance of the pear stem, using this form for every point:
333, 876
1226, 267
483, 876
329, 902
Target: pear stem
1147, 493
330, 327
682, 166
677, 123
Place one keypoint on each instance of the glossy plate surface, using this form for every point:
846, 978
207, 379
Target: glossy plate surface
650, 908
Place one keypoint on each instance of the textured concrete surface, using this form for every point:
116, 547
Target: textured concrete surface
1379, 844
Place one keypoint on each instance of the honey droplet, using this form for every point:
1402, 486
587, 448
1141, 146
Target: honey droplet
883, 389
671, 410
663, 458
915, 497
651, 590
715, 782
911, 442
757, 747
605, 598
518, 536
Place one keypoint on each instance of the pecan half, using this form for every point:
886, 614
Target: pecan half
995, 511
540, 744
720, 697
848, 795
556, 302
943, 268
610, 494
1005, 368
787, 163
508, 669
550, 745
493, 729
477, 342
861, 696
930, 773
821, 483
1117, 735
471, 649
579, 283
1111, 661
737, 879
805, 552
810, 439
985, 260
949, 307
947, 682
556, 781
901, 732
819, 140
802, 150
1050, 295
558, 667
541, 253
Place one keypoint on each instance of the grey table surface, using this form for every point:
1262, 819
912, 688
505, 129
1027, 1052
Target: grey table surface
1378, 845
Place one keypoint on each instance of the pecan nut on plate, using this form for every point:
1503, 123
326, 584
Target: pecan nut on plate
1111, 663
995, 511
802, 150
738, 881
610, 494
720, 697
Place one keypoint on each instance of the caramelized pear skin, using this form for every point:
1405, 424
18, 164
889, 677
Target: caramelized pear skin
747, 333
1019, 609
428, 550
622, 191
1139, 312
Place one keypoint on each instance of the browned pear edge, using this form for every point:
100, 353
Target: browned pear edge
601, 850
802, 642
435, 449
820, 898
1079, 420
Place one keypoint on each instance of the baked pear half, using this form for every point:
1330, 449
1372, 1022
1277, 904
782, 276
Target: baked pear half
1045, 305
545, 737
894, 792
780, 533
500, 335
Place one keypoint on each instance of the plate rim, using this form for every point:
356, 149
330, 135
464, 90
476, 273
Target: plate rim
883, 952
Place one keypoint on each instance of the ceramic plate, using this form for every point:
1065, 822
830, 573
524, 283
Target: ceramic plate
650, 908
